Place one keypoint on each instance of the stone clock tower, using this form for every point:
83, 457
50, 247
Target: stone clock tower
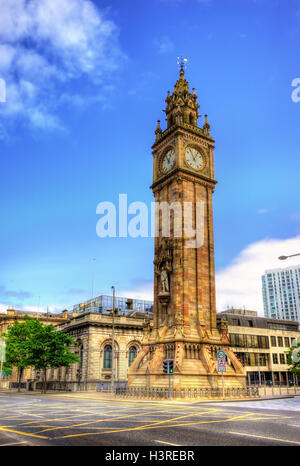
184, 326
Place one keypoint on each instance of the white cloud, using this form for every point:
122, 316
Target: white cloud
164, 44
141, 289
263, 211
44, 45
239, 284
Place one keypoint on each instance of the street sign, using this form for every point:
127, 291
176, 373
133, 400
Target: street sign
221, 368
221, 355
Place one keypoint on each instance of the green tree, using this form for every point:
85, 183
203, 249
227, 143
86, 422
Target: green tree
293, 357
16, 339
48, 348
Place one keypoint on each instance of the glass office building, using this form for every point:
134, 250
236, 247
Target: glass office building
281, 293
124, 306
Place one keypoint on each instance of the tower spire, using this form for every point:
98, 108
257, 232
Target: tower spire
182, 105
181, 62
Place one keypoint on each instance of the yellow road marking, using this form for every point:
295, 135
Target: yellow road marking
147, 426
113, 419
72, 416
22, 433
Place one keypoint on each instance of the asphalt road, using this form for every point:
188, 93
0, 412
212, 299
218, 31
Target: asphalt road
62, 420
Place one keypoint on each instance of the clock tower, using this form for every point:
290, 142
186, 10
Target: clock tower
184, 326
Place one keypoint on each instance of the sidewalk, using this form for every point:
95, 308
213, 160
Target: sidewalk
100, 396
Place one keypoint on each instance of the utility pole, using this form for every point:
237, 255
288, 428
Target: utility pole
113, 344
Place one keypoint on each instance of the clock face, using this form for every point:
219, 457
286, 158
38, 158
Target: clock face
194, 158
168, 161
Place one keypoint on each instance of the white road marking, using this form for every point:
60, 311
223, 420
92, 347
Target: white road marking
168, 443
294, 425
29, 414
268, 438
13, 443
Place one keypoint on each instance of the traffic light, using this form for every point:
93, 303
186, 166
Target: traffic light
168, 366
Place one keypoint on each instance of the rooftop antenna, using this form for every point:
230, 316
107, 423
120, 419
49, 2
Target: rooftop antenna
181, 62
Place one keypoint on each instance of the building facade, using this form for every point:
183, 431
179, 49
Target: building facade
261, 344
7, 319
281, 293
92, 333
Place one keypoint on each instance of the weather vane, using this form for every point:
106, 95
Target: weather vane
181, 62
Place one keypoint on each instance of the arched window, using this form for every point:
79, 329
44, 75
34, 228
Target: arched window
107, 360
132, 354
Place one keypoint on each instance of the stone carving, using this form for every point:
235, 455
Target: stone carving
163, 264
164, 281
178, 324
224, 330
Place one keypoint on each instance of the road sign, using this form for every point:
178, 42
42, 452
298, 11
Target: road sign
221, 354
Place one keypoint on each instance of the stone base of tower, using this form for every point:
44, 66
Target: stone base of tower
198, 371
181, 381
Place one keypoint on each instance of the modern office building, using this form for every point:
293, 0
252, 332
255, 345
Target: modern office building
281, 293
261, 344
124, 306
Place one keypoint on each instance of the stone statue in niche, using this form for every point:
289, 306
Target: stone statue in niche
164, 281
163, 264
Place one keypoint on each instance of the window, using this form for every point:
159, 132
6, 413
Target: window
282, 359
275, 359
236, 322
254, 341
280, 342
273, 341
250, 323
241, 340
248, 341
287, 341
107, 359
132, 355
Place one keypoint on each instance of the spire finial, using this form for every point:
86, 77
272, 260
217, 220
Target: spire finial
181, 62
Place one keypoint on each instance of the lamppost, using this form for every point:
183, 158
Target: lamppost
113, 343
283, 258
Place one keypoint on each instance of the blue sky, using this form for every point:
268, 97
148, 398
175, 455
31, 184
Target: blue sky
86, 82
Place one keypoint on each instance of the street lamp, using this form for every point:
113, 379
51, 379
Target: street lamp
283, 258
113, 343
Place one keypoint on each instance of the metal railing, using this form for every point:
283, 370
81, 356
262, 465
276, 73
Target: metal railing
187, 393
